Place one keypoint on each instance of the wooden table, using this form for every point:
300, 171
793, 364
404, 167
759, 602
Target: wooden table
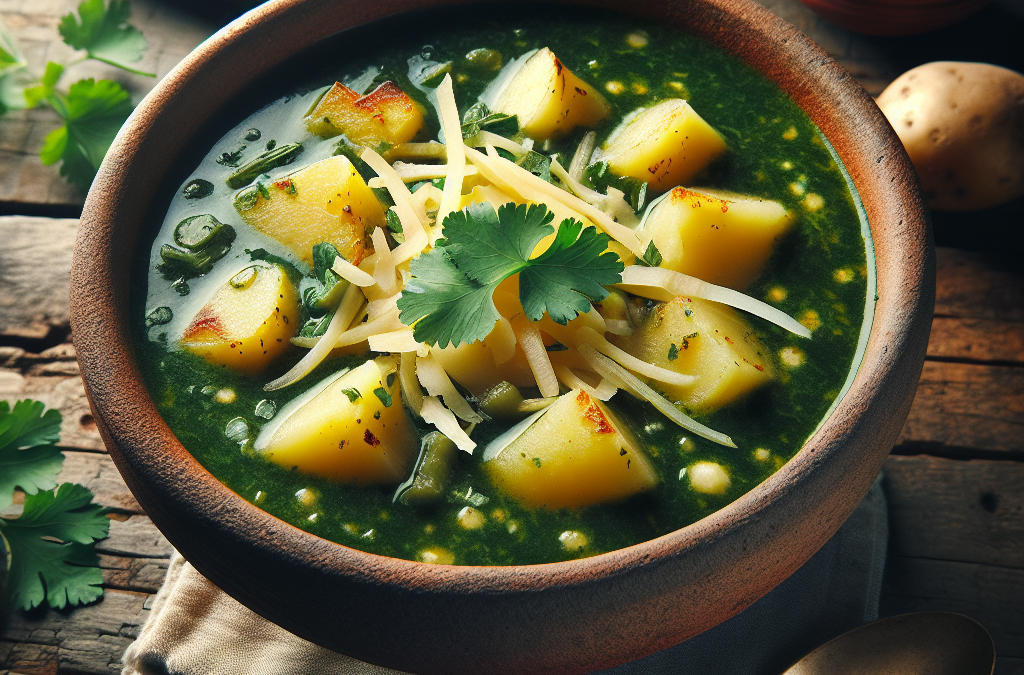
955, 480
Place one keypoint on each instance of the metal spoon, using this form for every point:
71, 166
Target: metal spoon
924, 643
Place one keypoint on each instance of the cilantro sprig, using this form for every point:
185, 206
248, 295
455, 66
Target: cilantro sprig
52, 557
92, 110
449, 298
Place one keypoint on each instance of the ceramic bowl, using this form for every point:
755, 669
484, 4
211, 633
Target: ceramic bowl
567, 617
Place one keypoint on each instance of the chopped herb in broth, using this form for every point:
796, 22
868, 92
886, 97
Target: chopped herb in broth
247, 405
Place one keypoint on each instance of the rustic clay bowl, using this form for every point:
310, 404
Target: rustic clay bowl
566, 617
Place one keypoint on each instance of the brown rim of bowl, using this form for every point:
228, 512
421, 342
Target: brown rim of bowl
595, 612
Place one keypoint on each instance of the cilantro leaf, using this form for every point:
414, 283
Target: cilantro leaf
28, 458
652, 256
574, 270
93, 112
449, 297
13, 75
444, 305
52, 555
105, 34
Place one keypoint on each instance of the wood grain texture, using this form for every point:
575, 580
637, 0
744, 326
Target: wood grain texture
968, 406
953, 510
35, 265
33, 23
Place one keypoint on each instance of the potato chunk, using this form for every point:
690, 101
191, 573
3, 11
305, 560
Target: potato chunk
722, 238
574, 456
326, 201
385, 115
248, 322
549, 100
706, 339
354, 430
666, 145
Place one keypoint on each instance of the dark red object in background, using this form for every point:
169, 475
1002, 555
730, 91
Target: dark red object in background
895, 17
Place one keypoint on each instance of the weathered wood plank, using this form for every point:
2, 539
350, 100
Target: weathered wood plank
972, 285
135, 537
964, 511
968, 406
143, 575
97, 472
36, 263
977, 340
87, 639
171, 36
66, 394
990, 595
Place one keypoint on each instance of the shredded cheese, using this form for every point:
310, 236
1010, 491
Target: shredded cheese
502, 341
619, 375
399, 341
437, 383
414, 173
452, 127
659, 283
529, 337
384, 269
485, 138
351, 273
385, 323
538, 190
350, 304
414, 228
411, 391
602, 392
442, 418
591, 337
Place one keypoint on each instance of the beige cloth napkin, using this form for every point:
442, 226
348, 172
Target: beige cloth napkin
194, 628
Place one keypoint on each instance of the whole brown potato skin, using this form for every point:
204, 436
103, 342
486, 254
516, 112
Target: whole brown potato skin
963, 127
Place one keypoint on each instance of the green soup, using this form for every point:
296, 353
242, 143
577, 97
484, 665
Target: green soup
818, 274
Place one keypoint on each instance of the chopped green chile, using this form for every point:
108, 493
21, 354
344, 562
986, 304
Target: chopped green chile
198, 189
198, 232
432, 473
484, 59
502, 402
262, 163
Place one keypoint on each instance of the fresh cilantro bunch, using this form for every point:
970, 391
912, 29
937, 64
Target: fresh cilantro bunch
449, 297
93, 111
52, 556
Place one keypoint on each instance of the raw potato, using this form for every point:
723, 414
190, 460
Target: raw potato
326, 201
549, 100
574, 456
665, 145
364, 441
248, 322
385, 115
705, 339
963, 127
722, 238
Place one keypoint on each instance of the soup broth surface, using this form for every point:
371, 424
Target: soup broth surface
817, 275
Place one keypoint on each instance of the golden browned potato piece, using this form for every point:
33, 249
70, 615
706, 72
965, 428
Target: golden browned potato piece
706, 339
326, 201
249, 321
549, 100
353, 430
576, 455
963, 127
665, 145
719, 237
386, 114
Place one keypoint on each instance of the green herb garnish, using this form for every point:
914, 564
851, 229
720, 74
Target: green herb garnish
449, 297
384, 396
